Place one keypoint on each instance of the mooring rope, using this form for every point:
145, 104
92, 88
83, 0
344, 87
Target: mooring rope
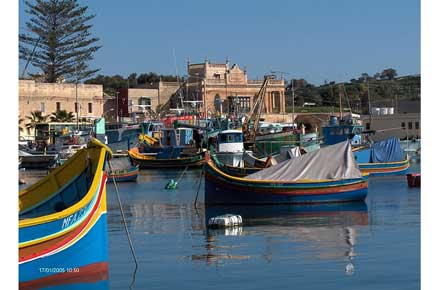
125, 226
198, 189
180, 177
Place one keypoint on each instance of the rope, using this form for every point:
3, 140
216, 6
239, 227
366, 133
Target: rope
126, 227
182, 174
198, 189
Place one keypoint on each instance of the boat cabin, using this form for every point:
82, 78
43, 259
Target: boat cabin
230, 141
340, 130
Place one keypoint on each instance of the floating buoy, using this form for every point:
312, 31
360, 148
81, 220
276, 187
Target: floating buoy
226, 220
172, 184
349, 269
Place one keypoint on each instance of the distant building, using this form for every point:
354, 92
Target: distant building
402, 121
135, 103
228, 90
51, 97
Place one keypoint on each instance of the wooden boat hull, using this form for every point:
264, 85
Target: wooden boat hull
221, 188
58, 241
362, 155
125, 175
38, 161
192, 161
239, 171
385, 168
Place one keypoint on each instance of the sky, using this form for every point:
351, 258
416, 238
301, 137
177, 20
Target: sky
318, 40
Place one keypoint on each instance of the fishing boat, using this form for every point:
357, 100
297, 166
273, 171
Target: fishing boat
156, 160
251, 164
121, 170
36, 160
271, 143
63, 220
232, 170
382, 158
349, 127
326, 175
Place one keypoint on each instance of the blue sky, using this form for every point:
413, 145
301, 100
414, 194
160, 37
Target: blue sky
318, 40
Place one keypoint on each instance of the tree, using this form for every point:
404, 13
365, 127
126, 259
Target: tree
62, 116
61, 37
132, 79
20, 128
388, 74
35, 118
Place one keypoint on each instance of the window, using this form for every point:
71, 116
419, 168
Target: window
409, 125
332, 131
90, 108
239, 104
42, 107
145, 101
346, 131
403, 125
339, 131
58, 104
417, 125
367, 126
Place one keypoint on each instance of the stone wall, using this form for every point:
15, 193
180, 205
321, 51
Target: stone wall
45, 97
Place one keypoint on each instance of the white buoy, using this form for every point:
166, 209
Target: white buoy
226, 220
349, 269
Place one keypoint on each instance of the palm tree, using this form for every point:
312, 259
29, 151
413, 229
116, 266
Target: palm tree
20, 120
62, 116
35, 118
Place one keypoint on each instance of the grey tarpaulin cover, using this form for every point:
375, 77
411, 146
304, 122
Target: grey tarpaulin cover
332, 162
285, 154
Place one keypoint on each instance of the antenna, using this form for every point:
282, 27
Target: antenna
177, 75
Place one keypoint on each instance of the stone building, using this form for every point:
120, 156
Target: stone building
134, 103
51, 97
228, 90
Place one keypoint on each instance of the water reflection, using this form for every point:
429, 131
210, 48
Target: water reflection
323, 231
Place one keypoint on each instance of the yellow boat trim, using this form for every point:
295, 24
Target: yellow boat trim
74, 208
385, 163
96, 143
146, 157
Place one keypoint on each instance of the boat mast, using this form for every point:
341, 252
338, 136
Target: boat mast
293, 104
340, 101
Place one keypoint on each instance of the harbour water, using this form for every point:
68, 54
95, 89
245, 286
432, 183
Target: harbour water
370, 245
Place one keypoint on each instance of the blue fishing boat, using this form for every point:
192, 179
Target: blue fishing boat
326, 175
63, 220
382, 158
348, 127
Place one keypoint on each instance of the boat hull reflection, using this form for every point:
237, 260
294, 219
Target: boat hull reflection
327, 214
